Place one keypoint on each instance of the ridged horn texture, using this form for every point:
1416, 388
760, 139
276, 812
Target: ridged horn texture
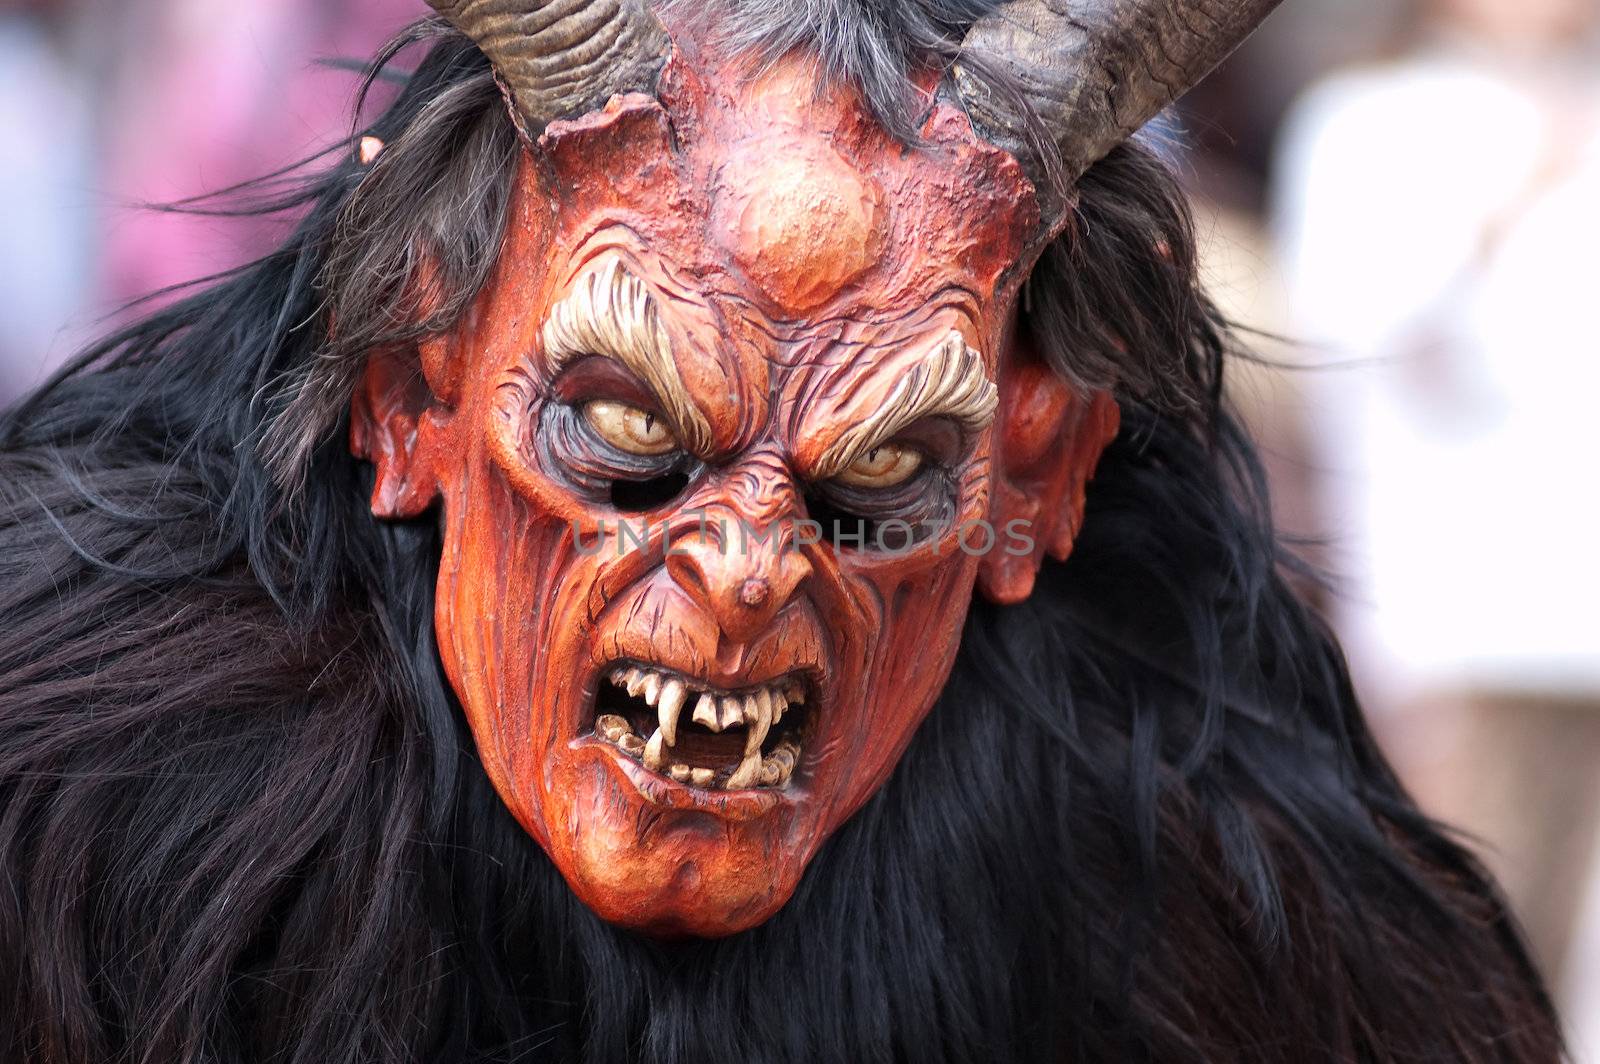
559, 58
1094, 71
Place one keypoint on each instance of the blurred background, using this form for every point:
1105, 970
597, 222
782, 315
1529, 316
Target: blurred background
1400, 202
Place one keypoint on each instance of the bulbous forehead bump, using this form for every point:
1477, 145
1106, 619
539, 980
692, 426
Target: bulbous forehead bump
771, 192
798, 220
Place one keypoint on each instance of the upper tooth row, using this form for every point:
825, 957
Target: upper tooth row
758, 711
718, 712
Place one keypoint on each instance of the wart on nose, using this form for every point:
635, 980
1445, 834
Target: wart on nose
744, 581
755, 592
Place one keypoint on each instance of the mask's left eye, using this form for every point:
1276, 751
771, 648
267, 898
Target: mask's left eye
630, 429
887, 466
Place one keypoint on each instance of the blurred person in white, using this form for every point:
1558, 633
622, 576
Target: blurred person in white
46, 231
1440, 222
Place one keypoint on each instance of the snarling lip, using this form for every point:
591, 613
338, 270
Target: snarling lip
701, 735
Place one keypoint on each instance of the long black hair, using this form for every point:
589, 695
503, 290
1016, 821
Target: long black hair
241, 818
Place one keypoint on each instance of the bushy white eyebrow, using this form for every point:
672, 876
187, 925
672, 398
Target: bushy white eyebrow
611, 314
950, 382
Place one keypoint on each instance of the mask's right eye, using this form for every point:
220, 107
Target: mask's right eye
630, 429
604, 431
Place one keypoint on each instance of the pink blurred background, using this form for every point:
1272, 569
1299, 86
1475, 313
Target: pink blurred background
1411, 191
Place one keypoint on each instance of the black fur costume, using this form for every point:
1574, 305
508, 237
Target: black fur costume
241, 818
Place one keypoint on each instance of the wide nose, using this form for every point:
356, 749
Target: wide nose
741, 563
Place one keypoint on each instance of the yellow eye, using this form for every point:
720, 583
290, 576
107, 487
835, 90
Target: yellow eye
882, 467
630, 429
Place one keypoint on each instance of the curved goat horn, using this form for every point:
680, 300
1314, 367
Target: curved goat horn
1094, 71
557, 58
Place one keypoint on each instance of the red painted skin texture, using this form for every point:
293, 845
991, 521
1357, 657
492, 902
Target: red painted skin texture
803, 265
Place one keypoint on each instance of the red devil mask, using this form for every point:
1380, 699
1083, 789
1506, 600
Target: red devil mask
726, 444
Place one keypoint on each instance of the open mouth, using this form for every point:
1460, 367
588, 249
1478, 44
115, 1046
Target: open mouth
702, 736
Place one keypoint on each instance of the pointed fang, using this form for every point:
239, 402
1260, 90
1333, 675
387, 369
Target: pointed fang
758, 721
668, 708
655, 752
747, 775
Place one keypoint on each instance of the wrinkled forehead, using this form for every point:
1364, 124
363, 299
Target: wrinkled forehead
767, 188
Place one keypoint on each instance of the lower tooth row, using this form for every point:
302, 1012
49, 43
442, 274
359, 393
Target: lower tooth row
774, 770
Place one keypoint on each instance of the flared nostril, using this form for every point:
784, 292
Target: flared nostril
685, 572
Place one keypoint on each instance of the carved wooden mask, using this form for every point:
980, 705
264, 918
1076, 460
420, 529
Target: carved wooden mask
723, 450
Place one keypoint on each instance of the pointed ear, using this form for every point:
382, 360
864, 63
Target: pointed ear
1048, 442
398, 422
